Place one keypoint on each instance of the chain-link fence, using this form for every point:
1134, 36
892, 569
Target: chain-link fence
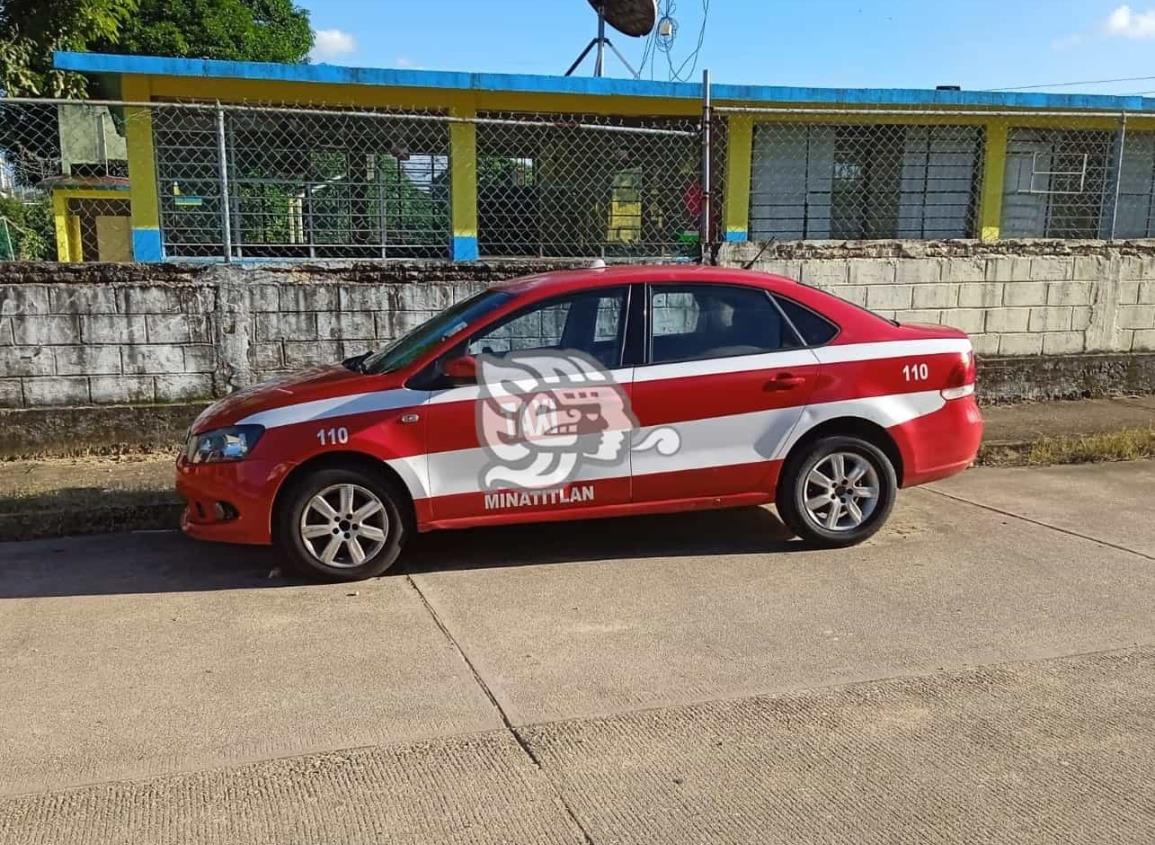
246, 182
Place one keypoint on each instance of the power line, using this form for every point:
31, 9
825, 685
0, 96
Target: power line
1073, 84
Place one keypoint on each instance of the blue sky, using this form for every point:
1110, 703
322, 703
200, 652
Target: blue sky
978, 44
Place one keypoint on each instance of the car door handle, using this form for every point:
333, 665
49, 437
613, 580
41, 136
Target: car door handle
785, 381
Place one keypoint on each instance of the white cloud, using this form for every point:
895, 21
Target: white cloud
1126, 23
332, 44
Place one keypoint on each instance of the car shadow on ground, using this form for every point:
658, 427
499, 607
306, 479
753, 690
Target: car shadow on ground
166, 561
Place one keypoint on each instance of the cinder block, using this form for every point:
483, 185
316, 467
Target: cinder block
87, 360
177, 328
6, 338
113, 390
964, 270
935, 296
1052, 268
264, 298
985, 344
345, 325
1050, 318
1136, 268
1070, 293
48, 330
424, 297
872, 271
776, 266
349, 348
84, 299
1147, 293
200, 358
1007, 268
1025, 293
1129, 292
293, 326
890, 297
109, 328
310, 297
140, 360
852, 293
179, 387
164, 299
970, 320
1062, 343
267, 356
26, 361
1021, 344
299, 355
56, 391
368, 297
1142, 341
1091, 268
397, 323
918, 271
1136, 317
1081, 317
988, 295
918, 316
24, 299
1007, 320
11, 393
822, 272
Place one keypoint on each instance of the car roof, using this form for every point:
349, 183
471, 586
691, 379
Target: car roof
562, 281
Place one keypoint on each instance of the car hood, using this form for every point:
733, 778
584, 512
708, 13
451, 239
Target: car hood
324, 382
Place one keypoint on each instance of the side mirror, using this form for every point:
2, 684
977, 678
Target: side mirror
463, 368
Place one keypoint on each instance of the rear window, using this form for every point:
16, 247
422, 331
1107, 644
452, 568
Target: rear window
815, 330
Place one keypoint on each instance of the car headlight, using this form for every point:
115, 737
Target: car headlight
223, 444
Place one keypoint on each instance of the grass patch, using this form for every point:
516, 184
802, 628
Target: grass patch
1128, 444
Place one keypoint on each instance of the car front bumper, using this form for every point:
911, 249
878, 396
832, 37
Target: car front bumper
229, 502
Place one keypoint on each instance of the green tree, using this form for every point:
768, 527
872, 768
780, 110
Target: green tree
31, 29
241, 30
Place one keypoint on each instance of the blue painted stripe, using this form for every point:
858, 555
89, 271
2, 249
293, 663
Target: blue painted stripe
465, 248
527, 83
737, 235
147, 245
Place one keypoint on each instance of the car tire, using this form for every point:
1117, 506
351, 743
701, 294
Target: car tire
341, 524
841, 513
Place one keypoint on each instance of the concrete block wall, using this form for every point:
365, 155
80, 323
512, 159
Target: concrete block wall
1092, 297
75, 335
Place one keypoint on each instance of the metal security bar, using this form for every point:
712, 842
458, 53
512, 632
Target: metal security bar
864, 181
583, 185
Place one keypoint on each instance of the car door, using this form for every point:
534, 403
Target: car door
725, 378
494, 451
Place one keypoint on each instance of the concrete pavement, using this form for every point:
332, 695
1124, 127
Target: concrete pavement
978, 672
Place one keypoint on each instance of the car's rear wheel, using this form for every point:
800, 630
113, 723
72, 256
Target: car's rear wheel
340, 524
837, 491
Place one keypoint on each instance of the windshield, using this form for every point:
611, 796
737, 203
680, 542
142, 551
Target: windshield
405, 350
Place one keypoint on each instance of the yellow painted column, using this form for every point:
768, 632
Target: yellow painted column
994, 176
739, 162
463, 186
60, 224
146, 239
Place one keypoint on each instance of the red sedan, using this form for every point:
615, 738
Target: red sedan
589, 393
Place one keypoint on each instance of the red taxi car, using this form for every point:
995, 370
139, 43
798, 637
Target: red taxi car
589, 393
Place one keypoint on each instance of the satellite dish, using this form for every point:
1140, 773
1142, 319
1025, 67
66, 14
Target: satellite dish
634, 18
629, 17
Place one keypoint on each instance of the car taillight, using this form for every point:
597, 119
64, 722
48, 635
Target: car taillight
961, 381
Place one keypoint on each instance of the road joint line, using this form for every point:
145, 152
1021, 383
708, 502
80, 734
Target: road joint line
1037, 522
522, 743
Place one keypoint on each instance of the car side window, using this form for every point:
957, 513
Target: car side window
589, 322
695, 322
814, 329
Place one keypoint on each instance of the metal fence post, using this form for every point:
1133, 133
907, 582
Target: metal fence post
1118, 172
226, 203
706, 206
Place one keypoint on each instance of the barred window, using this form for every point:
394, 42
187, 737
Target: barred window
822, 181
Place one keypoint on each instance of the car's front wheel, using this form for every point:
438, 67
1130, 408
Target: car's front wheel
340, 524
836, 492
